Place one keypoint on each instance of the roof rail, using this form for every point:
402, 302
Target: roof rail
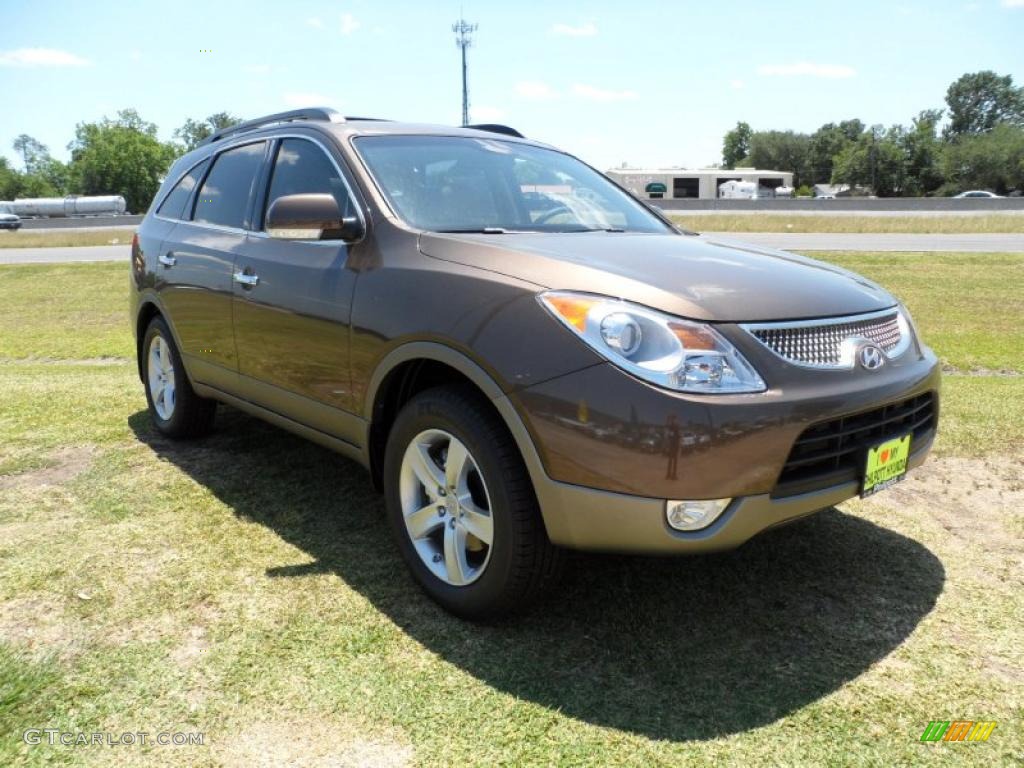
496, 128
323, 114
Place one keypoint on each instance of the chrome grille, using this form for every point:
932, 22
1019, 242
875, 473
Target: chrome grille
830, 343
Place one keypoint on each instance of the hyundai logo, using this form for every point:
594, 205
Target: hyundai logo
871, 357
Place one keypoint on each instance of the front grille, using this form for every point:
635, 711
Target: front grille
834, 452
820, 344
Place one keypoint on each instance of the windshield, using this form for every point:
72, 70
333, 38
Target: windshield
460, 184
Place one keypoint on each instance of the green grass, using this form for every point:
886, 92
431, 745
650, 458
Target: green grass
244, 586
861, 224
63, 238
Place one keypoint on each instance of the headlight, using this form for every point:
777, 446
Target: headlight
662, 349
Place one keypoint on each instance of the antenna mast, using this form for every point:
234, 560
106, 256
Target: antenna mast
462, 30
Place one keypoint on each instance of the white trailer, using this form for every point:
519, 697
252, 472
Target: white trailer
72, 205
738, 190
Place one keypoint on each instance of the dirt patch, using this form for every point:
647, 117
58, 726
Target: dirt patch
313, 742
971, 498
951, 370
190, 651
62, 465
41, 625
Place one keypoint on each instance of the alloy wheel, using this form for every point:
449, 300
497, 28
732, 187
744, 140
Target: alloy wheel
446, 507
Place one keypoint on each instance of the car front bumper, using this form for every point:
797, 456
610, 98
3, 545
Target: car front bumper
602, 474
585, 518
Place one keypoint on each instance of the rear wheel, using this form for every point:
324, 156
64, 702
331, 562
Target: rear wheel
174, 407
462, 508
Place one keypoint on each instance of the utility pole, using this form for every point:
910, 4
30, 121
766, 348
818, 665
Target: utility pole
462, 30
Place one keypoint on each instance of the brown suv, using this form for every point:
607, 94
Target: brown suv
522, 355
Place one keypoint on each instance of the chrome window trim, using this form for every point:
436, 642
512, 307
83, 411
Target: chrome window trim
211, 158
848, 345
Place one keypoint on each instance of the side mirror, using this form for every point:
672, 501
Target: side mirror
311, 217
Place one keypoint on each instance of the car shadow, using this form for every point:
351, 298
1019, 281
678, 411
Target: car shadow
671, 648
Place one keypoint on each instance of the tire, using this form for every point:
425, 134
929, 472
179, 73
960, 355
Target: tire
178, 412
499, 577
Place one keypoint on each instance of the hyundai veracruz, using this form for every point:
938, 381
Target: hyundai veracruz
524, 357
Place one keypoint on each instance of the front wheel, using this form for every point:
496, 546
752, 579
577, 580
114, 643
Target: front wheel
462, 508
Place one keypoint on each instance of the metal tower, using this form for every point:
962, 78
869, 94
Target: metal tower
462, 30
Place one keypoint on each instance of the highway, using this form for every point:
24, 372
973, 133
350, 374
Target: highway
80, 222
851, 241
978, 243
65, 254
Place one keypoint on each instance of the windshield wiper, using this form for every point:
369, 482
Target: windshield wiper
474, 231
592, 229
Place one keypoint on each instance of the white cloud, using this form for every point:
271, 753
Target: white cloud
349, 24
41, 57
536, 91
736, 84
807, 69
315, 22
600, 94
308, 99
485, 114
257, 69
568, 30
1013, 3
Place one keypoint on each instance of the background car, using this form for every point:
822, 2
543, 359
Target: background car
9, 221
976, 193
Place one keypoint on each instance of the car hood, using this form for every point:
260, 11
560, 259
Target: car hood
700, 277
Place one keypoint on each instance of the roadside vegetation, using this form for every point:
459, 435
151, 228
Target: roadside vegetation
976, 142
69, 237
244, 585
860, 223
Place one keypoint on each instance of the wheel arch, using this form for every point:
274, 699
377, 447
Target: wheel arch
416, 366
148, 308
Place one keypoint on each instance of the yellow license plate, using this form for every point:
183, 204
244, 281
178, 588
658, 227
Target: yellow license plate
886, 465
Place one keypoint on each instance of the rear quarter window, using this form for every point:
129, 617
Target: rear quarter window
173, 206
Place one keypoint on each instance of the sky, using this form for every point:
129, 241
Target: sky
644, 83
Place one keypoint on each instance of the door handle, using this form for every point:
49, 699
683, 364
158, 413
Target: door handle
247, 280
167, 259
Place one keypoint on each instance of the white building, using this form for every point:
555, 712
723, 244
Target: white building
703, 183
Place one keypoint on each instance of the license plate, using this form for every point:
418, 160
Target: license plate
886, 465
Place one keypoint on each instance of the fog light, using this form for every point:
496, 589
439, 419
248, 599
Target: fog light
694, 515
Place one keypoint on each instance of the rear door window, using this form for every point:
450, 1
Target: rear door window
224, 196
173, 206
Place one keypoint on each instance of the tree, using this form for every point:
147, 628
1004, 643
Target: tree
825, 144
33, 152
194, 131
979, 101
10, 181
736, 145
875, 160
119, 157
44, 176
781, 151
993, 160
922, 153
